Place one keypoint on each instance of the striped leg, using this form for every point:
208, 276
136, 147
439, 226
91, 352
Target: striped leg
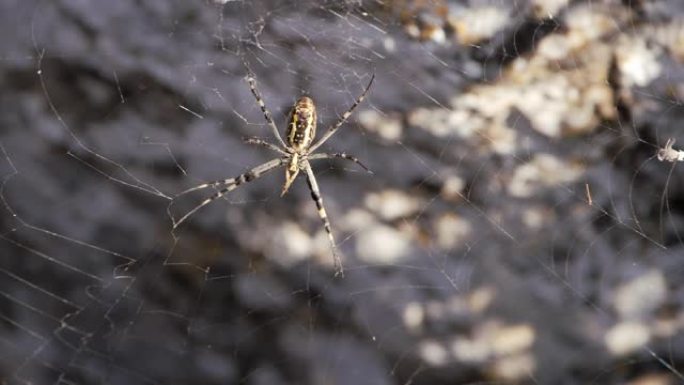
340, 155
344, 117
263, 143
256, 171
232, 184
260, 101
316, 195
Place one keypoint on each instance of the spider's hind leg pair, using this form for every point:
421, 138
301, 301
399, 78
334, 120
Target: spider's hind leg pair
296, 151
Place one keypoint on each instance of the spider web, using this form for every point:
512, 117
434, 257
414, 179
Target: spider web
518, 227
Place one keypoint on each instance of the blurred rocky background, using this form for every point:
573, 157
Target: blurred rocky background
518, 227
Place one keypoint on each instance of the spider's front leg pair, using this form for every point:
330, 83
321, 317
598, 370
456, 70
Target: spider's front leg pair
296, 153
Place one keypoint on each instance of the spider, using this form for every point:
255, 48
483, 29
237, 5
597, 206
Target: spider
295, 156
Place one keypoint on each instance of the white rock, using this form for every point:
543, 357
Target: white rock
626, 337
388, 127
381, 244
392, 204
290, 244
413, 315
513, 339
515, 368
476, 24
433, 353
548, 8
453, 187
542, 171
452, 231
638, 63
641, 296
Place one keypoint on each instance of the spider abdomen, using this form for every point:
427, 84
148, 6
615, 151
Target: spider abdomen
301, 129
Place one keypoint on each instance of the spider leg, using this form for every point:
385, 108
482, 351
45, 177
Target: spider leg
263, 143
340, 155
231, 183
252, 85
316, 195
343, 118
255, 173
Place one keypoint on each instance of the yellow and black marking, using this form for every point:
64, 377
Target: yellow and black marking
301, 129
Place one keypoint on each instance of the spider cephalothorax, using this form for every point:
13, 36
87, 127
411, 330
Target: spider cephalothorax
296, 154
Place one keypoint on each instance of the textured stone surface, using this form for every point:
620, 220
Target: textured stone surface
517, 228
